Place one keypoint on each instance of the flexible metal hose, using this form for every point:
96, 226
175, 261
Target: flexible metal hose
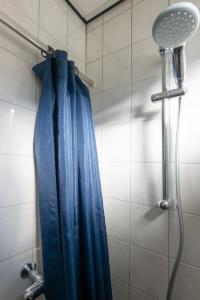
178, 205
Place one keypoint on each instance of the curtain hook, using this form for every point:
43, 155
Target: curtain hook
50, 51
43, 53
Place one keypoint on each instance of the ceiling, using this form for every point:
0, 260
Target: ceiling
90, 8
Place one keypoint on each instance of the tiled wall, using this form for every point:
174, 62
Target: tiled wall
55, 24
124, 62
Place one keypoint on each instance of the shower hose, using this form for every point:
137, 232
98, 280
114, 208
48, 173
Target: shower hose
178, 206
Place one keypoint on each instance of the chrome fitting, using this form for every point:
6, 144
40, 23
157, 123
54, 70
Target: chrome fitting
164, 204
29, 270
168, 94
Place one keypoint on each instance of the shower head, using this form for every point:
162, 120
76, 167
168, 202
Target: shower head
176, 24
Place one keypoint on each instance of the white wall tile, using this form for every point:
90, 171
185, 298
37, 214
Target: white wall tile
94, 44
116, 174
149, 228
189, 143
146, 141
96, 101
12, 286
48, 39
190, 188
191, 234
11, 40
17, 81
65, 6
190, 176
120, 290
144, 15
192, 49
117, 105
53, 19
30, 8
117, 33
76, 37
16, 130
94, 24
187, 284
146, 272
119, 9
116, 142
17, 180
117, 69
119, 259
143, 108
146, 183
94, 71
190, 102
16, 222
117, 219
146, 60
78, 63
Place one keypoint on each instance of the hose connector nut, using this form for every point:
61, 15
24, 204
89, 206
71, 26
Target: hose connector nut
164, 204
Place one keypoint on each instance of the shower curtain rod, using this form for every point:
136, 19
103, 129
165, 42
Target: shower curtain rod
8, 22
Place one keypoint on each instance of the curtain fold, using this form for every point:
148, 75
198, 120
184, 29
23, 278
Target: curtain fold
74, 242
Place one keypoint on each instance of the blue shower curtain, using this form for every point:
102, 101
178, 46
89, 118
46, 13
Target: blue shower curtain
74, 243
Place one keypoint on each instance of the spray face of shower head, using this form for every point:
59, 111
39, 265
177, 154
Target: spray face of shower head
176, 25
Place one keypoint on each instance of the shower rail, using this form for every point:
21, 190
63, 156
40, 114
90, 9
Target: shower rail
8, 22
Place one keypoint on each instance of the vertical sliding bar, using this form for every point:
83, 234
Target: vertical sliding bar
164, 203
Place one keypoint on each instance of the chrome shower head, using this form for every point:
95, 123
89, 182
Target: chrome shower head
175, 25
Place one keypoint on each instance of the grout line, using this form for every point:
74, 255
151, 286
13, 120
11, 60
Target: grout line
131, 244
130, 169
148, 205
18, 105
123, 201
117, 279
186, 264
144, 292
184, 212
168, 169
16, 255
17, 204
110, 54
17, 55
136, 4
142, 40
146, 162
117, 124
150, 251
133, 162
16, 155
117, 15
24, 12
108, 198
114, 277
